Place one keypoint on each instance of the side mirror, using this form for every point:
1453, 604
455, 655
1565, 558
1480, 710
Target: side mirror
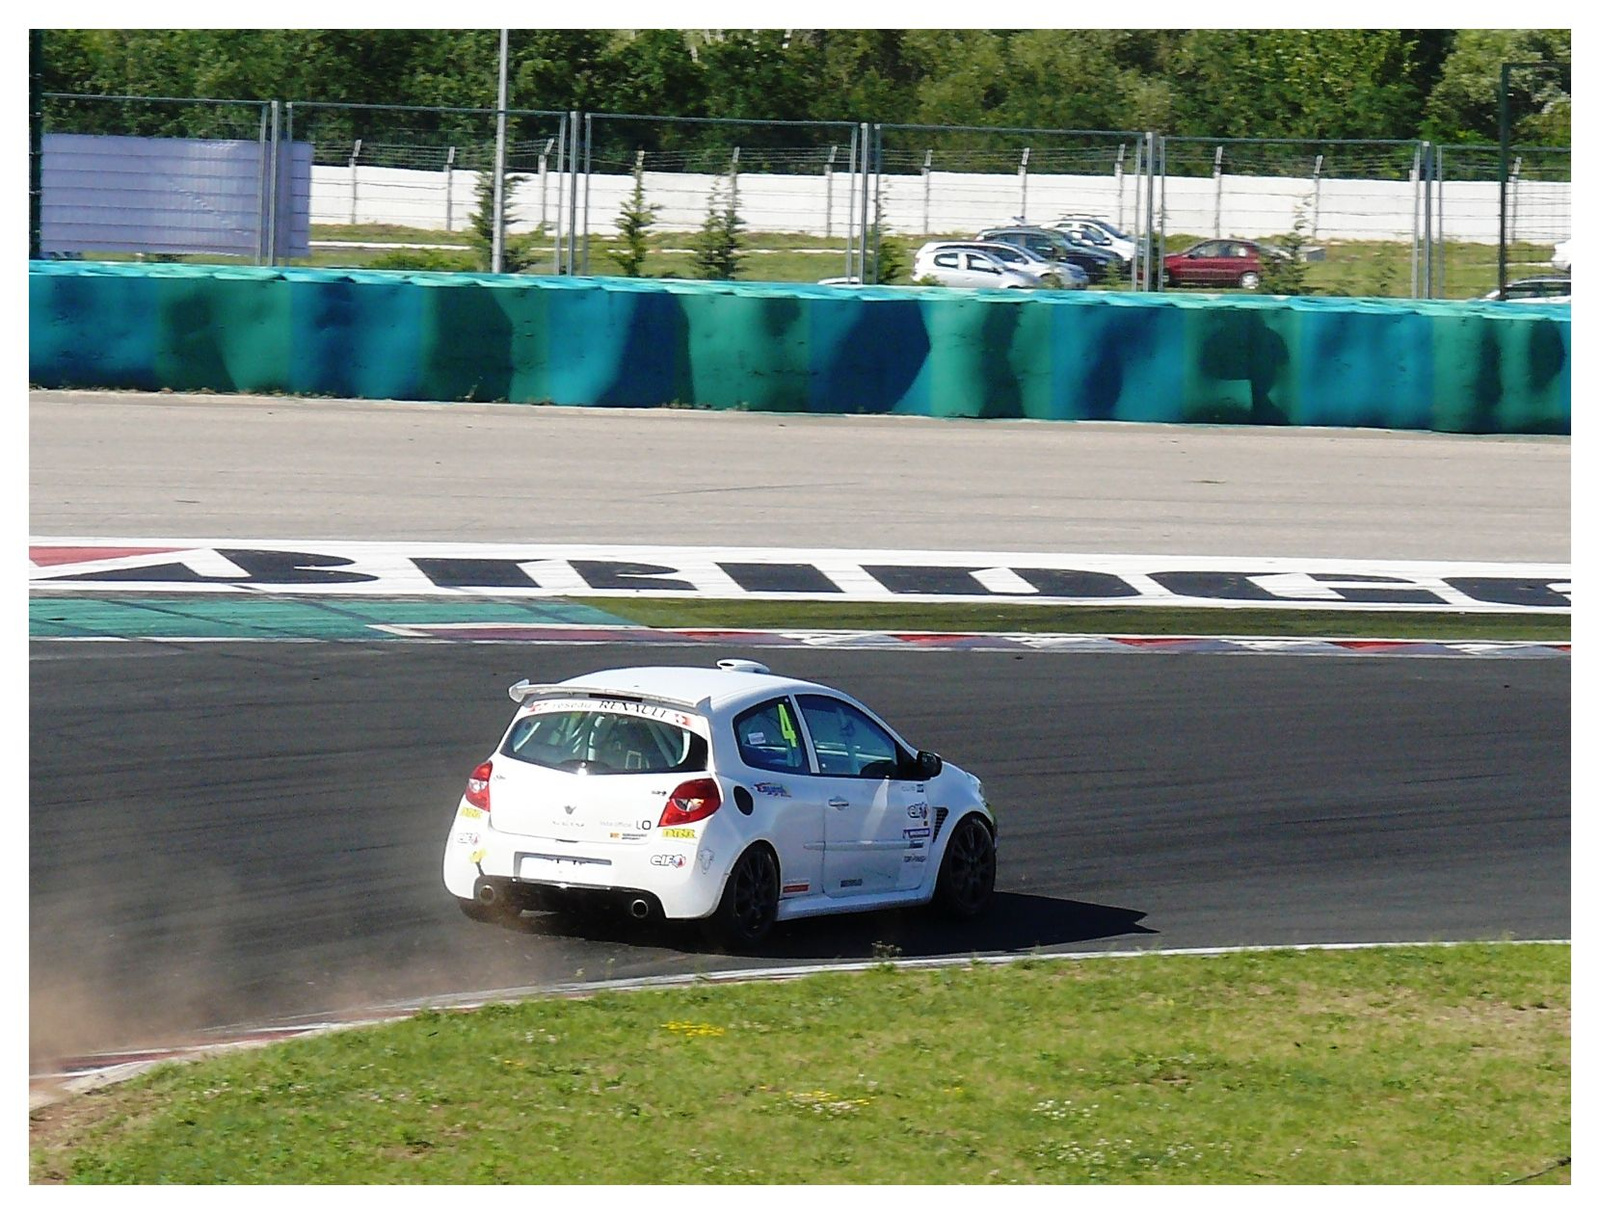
925, 766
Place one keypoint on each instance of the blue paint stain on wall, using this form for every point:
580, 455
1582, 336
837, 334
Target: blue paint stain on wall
1467, 366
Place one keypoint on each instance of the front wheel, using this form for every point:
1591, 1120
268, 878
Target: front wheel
749, 905
1249, 280
966, 876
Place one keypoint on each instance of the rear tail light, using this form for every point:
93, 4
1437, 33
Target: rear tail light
478, 785
691, 801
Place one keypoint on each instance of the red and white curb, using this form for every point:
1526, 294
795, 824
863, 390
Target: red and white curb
980, 642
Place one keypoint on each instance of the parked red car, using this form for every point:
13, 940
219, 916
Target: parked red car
1219, 263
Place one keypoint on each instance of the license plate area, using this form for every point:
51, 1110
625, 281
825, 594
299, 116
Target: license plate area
546, 866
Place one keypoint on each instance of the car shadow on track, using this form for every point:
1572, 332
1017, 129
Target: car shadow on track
1015, 923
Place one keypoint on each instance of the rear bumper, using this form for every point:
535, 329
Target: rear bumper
680, 879
548, 896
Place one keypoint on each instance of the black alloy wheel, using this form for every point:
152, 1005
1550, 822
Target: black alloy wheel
966, 876
749, 905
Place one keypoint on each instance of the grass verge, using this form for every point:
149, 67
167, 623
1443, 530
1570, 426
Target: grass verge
1364, 268
1439, 1065
1136, 621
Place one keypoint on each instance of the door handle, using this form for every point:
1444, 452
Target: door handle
839, 803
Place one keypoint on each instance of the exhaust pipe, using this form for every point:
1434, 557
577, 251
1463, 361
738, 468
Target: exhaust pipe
488, 895
639, 908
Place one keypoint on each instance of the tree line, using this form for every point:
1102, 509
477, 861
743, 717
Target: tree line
1266, 84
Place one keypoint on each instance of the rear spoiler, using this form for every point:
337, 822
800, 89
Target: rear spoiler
523, 690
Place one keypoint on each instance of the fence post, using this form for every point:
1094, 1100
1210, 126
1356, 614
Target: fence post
850, 210
927, 191
1152, 270
355, 154
272, 191
1216, 212
1427, 219
1022, 177
1140, 257
866, 162
449, 182
827, 189
1316, 195
1416, 215
561, 193
1439, 176
1161, 238
572, 206
877, 198
1513, 182
1116, 176
588, 175
544, 179
261, 185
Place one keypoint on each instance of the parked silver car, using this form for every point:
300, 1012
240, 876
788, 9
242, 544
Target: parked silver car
981, 264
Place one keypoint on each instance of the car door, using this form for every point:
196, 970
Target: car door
1246, 260
1198, 267
948, 268
875, 826
789, 798
981, 271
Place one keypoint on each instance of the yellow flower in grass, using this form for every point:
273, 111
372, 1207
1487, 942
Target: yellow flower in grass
690, 1029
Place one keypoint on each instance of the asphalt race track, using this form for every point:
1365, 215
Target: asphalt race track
251, 833
238, 834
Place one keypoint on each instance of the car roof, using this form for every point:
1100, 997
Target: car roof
714, 686
976, 246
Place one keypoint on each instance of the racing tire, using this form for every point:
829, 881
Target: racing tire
966, 874
749, 905
1249, 280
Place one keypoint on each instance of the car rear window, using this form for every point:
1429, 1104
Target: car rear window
598, 742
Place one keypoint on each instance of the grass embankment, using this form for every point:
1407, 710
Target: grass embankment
1412, 1065
1367, 268
1127, 621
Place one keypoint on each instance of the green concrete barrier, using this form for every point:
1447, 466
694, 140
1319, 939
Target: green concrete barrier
1470, 367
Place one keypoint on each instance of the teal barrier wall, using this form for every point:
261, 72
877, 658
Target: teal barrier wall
1068, 355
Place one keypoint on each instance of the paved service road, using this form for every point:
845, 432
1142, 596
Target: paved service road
132, 465
236, 833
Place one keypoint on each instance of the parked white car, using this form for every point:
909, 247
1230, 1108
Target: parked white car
728, 795
1534, 290
979, 264
1561, 256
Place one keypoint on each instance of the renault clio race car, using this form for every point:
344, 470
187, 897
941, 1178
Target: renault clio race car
728, 795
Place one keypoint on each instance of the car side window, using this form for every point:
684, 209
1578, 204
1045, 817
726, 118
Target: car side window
980, 263
769, 739
948, 260
848, 742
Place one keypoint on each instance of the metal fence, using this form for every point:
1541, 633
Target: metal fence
429, 172
1538, 212
1323, 192
160, 177
956, 180
805, 178
411, 186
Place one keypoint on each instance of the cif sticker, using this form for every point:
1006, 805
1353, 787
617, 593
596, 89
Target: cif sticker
667, 861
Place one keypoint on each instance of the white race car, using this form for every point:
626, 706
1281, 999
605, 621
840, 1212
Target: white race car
728, 795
